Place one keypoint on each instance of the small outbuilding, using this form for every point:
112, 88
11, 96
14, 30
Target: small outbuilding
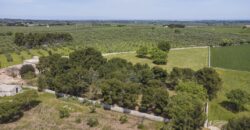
9, 90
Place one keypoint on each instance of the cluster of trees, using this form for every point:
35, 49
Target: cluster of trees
31, 40
176, 25
207, 77
13, 110
158, 55
118, 81
6, 34
232, 42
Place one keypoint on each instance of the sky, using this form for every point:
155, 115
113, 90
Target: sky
126, 9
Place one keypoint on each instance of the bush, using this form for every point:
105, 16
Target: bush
158, 56
9, 57
10, 111
240, 123
123, 119
41, 83
78, 120
9, 33
63, 112
142, 52
239, 98
164, 46
92, 109
27, 72
92, 122
140, 126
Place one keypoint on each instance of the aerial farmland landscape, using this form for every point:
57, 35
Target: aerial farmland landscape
124, 65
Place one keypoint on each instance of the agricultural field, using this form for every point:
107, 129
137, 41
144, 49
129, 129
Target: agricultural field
130, 37
233, 57
46, 116
116, 39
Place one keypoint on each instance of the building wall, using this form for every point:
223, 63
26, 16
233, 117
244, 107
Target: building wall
11, 92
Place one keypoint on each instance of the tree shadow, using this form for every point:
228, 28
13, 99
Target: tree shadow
230, 106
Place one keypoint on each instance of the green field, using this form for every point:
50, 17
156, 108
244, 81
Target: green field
233, 57
195, 58
231, 80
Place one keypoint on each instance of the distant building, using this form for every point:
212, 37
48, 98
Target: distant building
9, 90
248, 26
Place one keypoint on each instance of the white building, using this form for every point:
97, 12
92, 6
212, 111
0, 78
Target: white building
9, 90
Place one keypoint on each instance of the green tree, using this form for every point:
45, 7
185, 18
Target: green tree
164, 46
186, 112
159, 73
154, 100
87, 58
159, 57
238, 123
142, 52
41, 83
143, 73
192, 88
123, 94
210, 79
71, 82
239, 98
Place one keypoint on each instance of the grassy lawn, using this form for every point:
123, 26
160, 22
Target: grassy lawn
188, 58
46, 116
233, 57
231, 80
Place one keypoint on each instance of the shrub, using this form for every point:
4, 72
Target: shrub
92, 122
142, 52
158, 56
41, 83
92, 109
9, 57
239, 98
123, 119
12, 110
78, 120
140, 126
177, 31
27, 71
164, 46
63, 112
239, 123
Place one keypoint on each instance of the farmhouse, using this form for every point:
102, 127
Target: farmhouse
9, 90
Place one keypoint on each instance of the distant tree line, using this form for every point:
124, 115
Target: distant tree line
31, 40
12, 109
88, 74
6, 34
176, 25
231, 42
